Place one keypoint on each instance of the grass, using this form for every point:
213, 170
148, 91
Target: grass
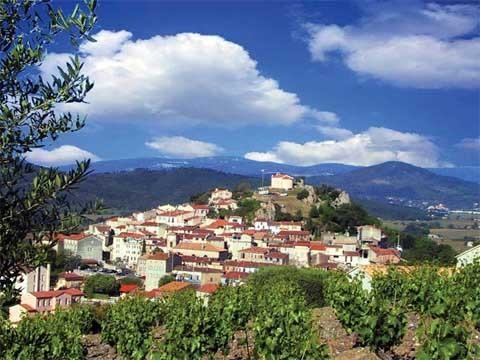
99, 296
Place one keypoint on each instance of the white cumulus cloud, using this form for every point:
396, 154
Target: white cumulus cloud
429, 46
63, 155
186, 78
373, 146
182, 147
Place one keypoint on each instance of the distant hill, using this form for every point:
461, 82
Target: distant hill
143, 189
228, 164
242, 166
401, 183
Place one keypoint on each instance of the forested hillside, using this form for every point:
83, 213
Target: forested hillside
143, 189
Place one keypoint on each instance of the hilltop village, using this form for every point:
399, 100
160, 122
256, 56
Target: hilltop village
202, 246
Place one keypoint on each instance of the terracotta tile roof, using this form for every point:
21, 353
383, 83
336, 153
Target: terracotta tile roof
75, 237
317, 246
217, 224
70, 276
73, 292
208, 288
236, 275
200, 207
293, 233
150, 223
276, 255
255, 250
157, 256
197, 247
125, 235
173, 286
282, 176
103, 228
385, 252
196, 259
55, 293
351, 253
28, 308
128, 288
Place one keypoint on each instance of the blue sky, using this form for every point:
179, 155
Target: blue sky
300, 83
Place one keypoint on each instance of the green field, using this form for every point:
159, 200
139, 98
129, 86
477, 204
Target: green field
454, 232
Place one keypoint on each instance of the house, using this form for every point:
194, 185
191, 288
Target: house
43, 302
261, 224
198, 275
289, 225
127, 248
205, 291
200, 210
84, 245
281, 181
169, 289
267, 255
174, 217
293, 235
244, 266
369, 234
298, 252
234, 278
195, 261
225, 204
156, 266
237, 242
468, 256
378, 255
201, 249
32, 280
69, 280
128, 289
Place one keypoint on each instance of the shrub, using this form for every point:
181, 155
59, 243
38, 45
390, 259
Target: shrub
101, 284
303, 194
128, 325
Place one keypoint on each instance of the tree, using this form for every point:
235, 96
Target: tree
303, 194
34, 204
101, 284
166, 279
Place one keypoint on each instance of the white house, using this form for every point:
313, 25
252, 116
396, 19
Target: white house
84, 245
127, 247
468, 256
32, 280
155, 266
173, 218
281, 181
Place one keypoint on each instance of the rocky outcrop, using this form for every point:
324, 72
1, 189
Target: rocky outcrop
267, 211
312, 196
342, 199
96, 350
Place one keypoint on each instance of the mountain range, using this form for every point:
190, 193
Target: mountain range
385, 189
242, 166
404, 184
